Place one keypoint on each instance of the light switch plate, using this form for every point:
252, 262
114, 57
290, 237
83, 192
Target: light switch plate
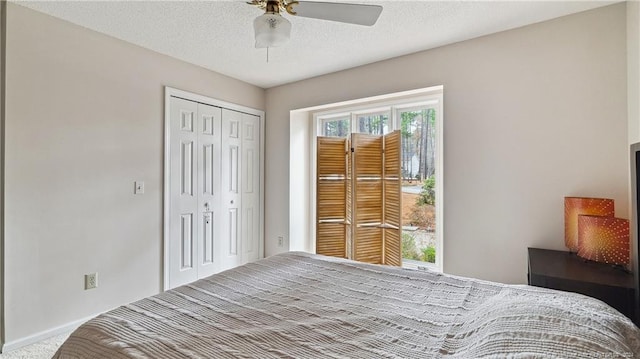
139, 187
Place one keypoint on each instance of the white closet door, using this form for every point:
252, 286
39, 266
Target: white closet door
209, 197
212, 190
231, 215
250, 188
183, 211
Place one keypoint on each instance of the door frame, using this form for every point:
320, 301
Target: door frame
173, 92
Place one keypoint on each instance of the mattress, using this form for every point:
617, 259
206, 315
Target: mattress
300, 305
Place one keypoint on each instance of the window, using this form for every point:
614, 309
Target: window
337, 127
419, 121
418, 132
418, 142
374, 124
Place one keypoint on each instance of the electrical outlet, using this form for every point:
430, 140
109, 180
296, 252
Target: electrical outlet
91, 281
280, 241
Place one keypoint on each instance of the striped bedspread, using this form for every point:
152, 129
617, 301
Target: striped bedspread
299, 305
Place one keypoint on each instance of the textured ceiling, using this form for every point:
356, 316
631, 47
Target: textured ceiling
218, 35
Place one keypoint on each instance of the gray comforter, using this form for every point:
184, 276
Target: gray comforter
299, 305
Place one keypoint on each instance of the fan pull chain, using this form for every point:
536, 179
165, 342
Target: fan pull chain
267, 54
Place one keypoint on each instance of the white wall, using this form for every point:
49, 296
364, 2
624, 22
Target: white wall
633, 69
299, 181
531, 115
84, 120
3, 8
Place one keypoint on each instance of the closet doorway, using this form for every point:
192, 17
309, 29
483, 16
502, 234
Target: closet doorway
213, 188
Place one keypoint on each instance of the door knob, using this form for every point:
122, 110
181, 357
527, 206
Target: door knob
231, 201
206, 205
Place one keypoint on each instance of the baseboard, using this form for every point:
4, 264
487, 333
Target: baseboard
66, 328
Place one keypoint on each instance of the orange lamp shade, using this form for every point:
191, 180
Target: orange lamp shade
574, 206
603, 239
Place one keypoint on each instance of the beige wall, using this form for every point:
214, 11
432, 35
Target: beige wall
530, 115
633, 69
84, 121
3, 8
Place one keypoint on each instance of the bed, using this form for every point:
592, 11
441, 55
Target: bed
300, 305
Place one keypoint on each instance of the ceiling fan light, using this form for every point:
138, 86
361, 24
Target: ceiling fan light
271, 30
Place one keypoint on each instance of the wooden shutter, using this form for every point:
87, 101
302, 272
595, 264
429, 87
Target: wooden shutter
331, 202
359, 198
392, 203
349, 201
367, 198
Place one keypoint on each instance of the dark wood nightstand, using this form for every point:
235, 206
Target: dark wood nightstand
566, 271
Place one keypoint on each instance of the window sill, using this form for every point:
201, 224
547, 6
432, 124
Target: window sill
420, 265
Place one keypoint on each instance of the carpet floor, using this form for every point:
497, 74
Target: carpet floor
40, 350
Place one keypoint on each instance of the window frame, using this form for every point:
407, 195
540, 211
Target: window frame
392, 107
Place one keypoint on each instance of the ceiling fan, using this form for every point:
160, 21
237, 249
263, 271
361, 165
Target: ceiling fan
272, 29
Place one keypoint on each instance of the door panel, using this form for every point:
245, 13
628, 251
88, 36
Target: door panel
209, 238
250, 187
208, 187
232, 241
331, 239
367, 244
367, 155
368, 208
231, 203
392, 247
367, 197
331, 207
186, 241
349, 228
183, 203
214, 201
187, 167
392, 209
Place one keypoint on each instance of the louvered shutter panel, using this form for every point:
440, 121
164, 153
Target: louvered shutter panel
392, 210
367, 197
331, 197
359, 198
349, 200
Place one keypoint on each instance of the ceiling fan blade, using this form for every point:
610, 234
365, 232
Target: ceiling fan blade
341, 12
